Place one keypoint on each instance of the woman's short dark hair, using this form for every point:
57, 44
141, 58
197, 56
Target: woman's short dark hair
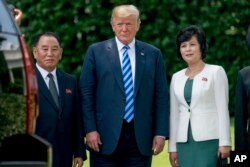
187, 33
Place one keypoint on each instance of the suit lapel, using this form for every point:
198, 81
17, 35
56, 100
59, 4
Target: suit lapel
179, 86
43, 89
61, 84
113, 57
139, 66
198, 84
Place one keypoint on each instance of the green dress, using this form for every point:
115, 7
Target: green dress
193, 153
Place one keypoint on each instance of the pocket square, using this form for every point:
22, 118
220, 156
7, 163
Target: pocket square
68, 91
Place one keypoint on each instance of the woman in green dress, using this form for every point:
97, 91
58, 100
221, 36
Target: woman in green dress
199, 116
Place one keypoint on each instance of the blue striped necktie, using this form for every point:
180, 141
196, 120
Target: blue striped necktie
128, 85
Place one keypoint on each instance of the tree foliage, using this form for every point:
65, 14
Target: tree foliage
80, 23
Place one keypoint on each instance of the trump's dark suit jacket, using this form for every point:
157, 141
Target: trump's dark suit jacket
103, 96
62, 127
242, 112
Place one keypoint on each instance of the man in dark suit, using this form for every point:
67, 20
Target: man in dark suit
60, 115
242, 112
124, 124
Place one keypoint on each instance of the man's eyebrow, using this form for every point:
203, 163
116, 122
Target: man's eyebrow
54, 46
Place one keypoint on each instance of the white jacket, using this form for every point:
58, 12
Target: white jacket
208, 112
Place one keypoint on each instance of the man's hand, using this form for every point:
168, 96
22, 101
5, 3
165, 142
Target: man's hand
18, 15
78, 162
158, 144
93, 140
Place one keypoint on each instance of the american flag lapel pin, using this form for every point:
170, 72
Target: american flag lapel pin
68, 91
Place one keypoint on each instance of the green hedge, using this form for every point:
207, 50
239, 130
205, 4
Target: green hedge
12, 114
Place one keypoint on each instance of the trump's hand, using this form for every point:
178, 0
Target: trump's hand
158, 144
93, 140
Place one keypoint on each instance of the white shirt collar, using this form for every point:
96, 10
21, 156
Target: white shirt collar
120, 45
45, 73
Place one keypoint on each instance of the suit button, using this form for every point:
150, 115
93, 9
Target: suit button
124, 99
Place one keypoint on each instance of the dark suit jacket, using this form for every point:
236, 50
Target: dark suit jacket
242, 112
103, 96
62, 127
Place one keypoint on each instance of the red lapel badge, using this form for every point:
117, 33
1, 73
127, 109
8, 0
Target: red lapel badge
204, 79
68, 91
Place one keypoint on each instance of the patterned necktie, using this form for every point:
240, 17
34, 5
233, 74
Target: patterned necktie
52, 89
128, 85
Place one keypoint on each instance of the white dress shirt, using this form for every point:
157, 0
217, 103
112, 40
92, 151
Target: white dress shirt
45, 73
131, 54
